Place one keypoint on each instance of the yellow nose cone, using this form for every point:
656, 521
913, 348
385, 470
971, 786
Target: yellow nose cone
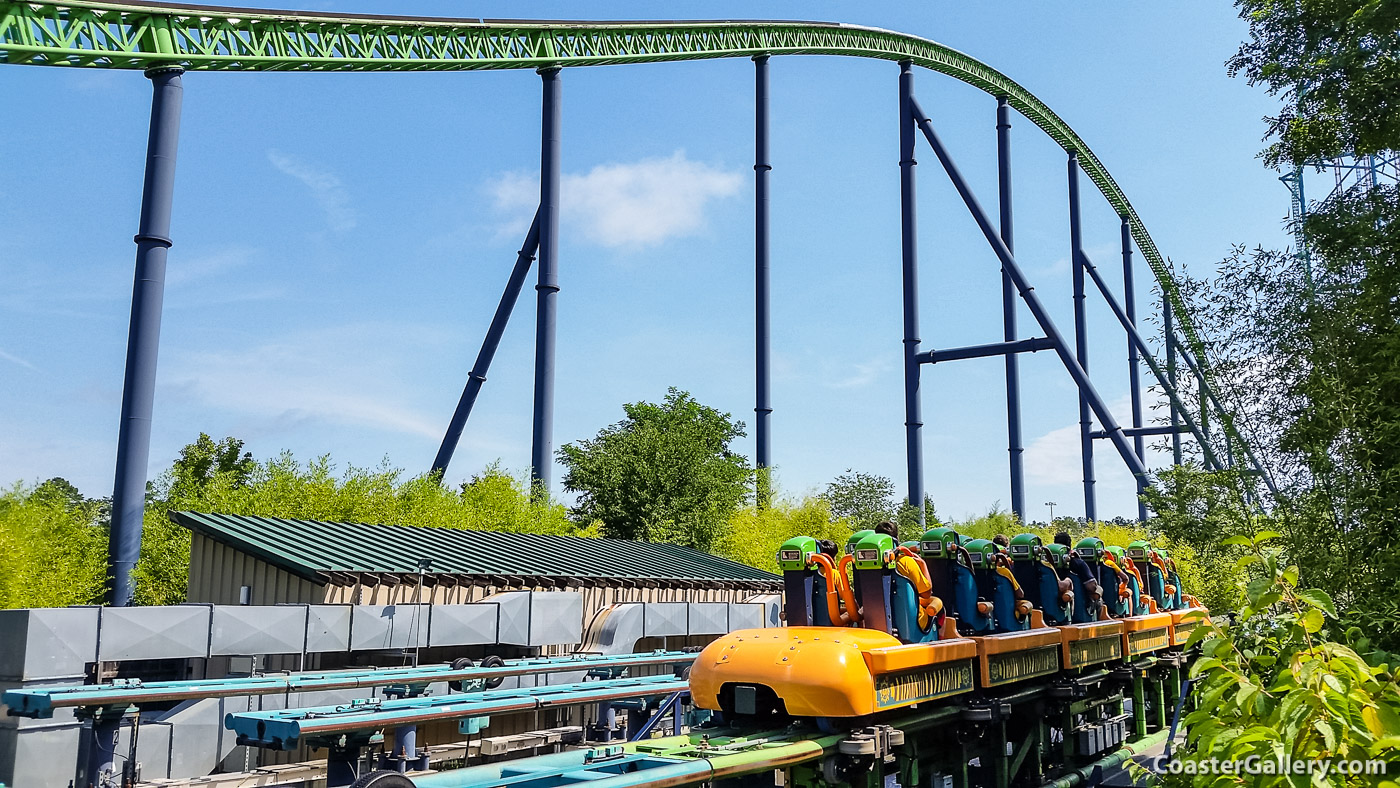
814, 671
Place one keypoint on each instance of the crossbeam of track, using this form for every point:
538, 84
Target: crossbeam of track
141, 36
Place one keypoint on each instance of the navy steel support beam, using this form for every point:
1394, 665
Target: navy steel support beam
1133, 336
1169, 342
102, 757
763, 406
1138, 432
1134, 379
523, 259
547, 288
913, 416
1037, 309
982, 351
1194, 365
1008, 315
1081, 342
143, 339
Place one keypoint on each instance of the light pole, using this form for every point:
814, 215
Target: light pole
1051, 504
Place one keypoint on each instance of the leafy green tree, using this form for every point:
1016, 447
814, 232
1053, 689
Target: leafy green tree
907, 518
754, 534
863, 500
1305, 356
54, 548
1336, 64
665, 473
202, 462
1286, 682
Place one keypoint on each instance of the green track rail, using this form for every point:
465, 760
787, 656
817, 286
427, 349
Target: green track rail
142, 36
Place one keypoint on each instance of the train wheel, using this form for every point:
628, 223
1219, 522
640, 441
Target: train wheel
493, 661
458, 664
382, 779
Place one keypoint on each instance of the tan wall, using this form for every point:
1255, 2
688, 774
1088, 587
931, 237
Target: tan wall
217, 571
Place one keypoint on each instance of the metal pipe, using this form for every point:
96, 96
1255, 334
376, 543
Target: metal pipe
1115, 759
102, 758
913, 416
1133, 432
982, 351
1014, 449
523, 259
1133, 336
763, 406
1037, 309
1081, 342
1169, 340
143, 338
1134, 381
41, 702
547, 289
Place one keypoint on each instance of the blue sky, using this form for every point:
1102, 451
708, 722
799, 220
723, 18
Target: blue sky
342, 239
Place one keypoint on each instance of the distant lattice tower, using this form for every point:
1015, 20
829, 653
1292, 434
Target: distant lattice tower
1347, 172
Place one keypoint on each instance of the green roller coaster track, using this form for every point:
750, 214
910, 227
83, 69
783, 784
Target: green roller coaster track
142, 36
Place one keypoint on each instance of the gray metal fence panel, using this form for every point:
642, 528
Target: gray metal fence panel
170, 632
257, 629
388, 626
463, 625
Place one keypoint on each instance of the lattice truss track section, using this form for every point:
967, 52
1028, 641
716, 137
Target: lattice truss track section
143, 36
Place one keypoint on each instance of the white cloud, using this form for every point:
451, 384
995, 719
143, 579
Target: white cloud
325, 187
348, 376
1053, 458
861, 375
15, 360
637, 204
191, 270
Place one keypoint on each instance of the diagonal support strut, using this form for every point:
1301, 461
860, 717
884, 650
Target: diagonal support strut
1136, 338
523, 260
1037, 309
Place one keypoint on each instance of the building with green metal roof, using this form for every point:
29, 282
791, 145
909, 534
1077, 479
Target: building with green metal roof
243, 559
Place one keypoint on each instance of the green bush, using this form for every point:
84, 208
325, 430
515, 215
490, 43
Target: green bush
754, 535
54, 546
285, 487
1281, 682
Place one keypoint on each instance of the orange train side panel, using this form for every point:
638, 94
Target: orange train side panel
1076, 653
1149, 621
1142, 634
918, 655
1006, 646
1183, 621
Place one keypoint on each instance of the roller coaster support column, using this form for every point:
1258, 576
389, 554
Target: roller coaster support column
1008, 309
763, 407
102, 754
547, 289
143, 340
913, 417
1169, 341
523, 259
1134, 380
1081, 341
1081, 379
1207, 453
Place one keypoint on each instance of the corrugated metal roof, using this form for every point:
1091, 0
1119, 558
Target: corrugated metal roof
313, 548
